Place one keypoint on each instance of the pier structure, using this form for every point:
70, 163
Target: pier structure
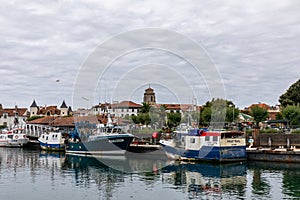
35, 130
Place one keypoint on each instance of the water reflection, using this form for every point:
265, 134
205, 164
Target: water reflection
203, 179
45, 175
273, 179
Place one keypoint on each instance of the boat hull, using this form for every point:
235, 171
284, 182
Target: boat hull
14, 143
104, 145
208, 153
52, 147
52, 141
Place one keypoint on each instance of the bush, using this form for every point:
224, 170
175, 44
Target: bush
2, 126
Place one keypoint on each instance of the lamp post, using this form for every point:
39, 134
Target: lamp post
232, 106
233, 114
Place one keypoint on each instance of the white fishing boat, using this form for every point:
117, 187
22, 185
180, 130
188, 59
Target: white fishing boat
13, 138
52, 141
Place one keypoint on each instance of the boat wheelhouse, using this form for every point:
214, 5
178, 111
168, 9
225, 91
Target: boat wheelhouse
99, 141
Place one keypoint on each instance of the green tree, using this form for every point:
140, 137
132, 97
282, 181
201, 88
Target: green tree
291, 96
205, 116
145, 108
232, 114
135, 119
291, 114
278, 116
221, 106
259, 114
173, 119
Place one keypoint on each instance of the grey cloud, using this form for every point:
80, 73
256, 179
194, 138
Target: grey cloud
254, 44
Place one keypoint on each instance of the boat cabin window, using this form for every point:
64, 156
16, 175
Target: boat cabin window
10, 136
192, 140
232, 135
207, 138
47, 138
215, 138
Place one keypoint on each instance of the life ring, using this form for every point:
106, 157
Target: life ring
16, 136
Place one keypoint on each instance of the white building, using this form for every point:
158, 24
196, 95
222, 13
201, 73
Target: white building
10, 117
117, 109
124, 108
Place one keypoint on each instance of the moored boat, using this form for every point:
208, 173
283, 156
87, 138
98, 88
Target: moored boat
220, 146
100, 141
52, 141
13, 138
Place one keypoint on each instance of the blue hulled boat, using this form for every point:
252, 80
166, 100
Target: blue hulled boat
52, 141
203, 145
100, 141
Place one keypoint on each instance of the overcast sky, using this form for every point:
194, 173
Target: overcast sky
254, 46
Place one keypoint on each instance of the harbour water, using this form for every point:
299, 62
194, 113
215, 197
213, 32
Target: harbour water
34, 174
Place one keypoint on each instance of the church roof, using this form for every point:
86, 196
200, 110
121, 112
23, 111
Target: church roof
149, 89
33, 105
63, 105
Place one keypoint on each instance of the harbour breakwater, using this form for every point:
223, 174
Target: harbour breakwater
274, 140
273, 147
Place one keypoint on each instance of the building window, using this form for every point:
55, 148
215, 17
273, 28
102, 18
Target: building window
132, 110
5, 115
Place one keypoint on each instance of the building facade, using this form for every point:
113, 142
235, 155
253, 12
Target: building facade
63, 110
11, 117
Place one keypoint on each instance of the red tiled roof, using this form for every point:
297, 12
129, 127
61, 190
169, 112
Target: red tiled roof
126, 104
89, 119
183, 107
101, 105
47, 120
11, 112
149, 89
52, 109
261, 105
64, 121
